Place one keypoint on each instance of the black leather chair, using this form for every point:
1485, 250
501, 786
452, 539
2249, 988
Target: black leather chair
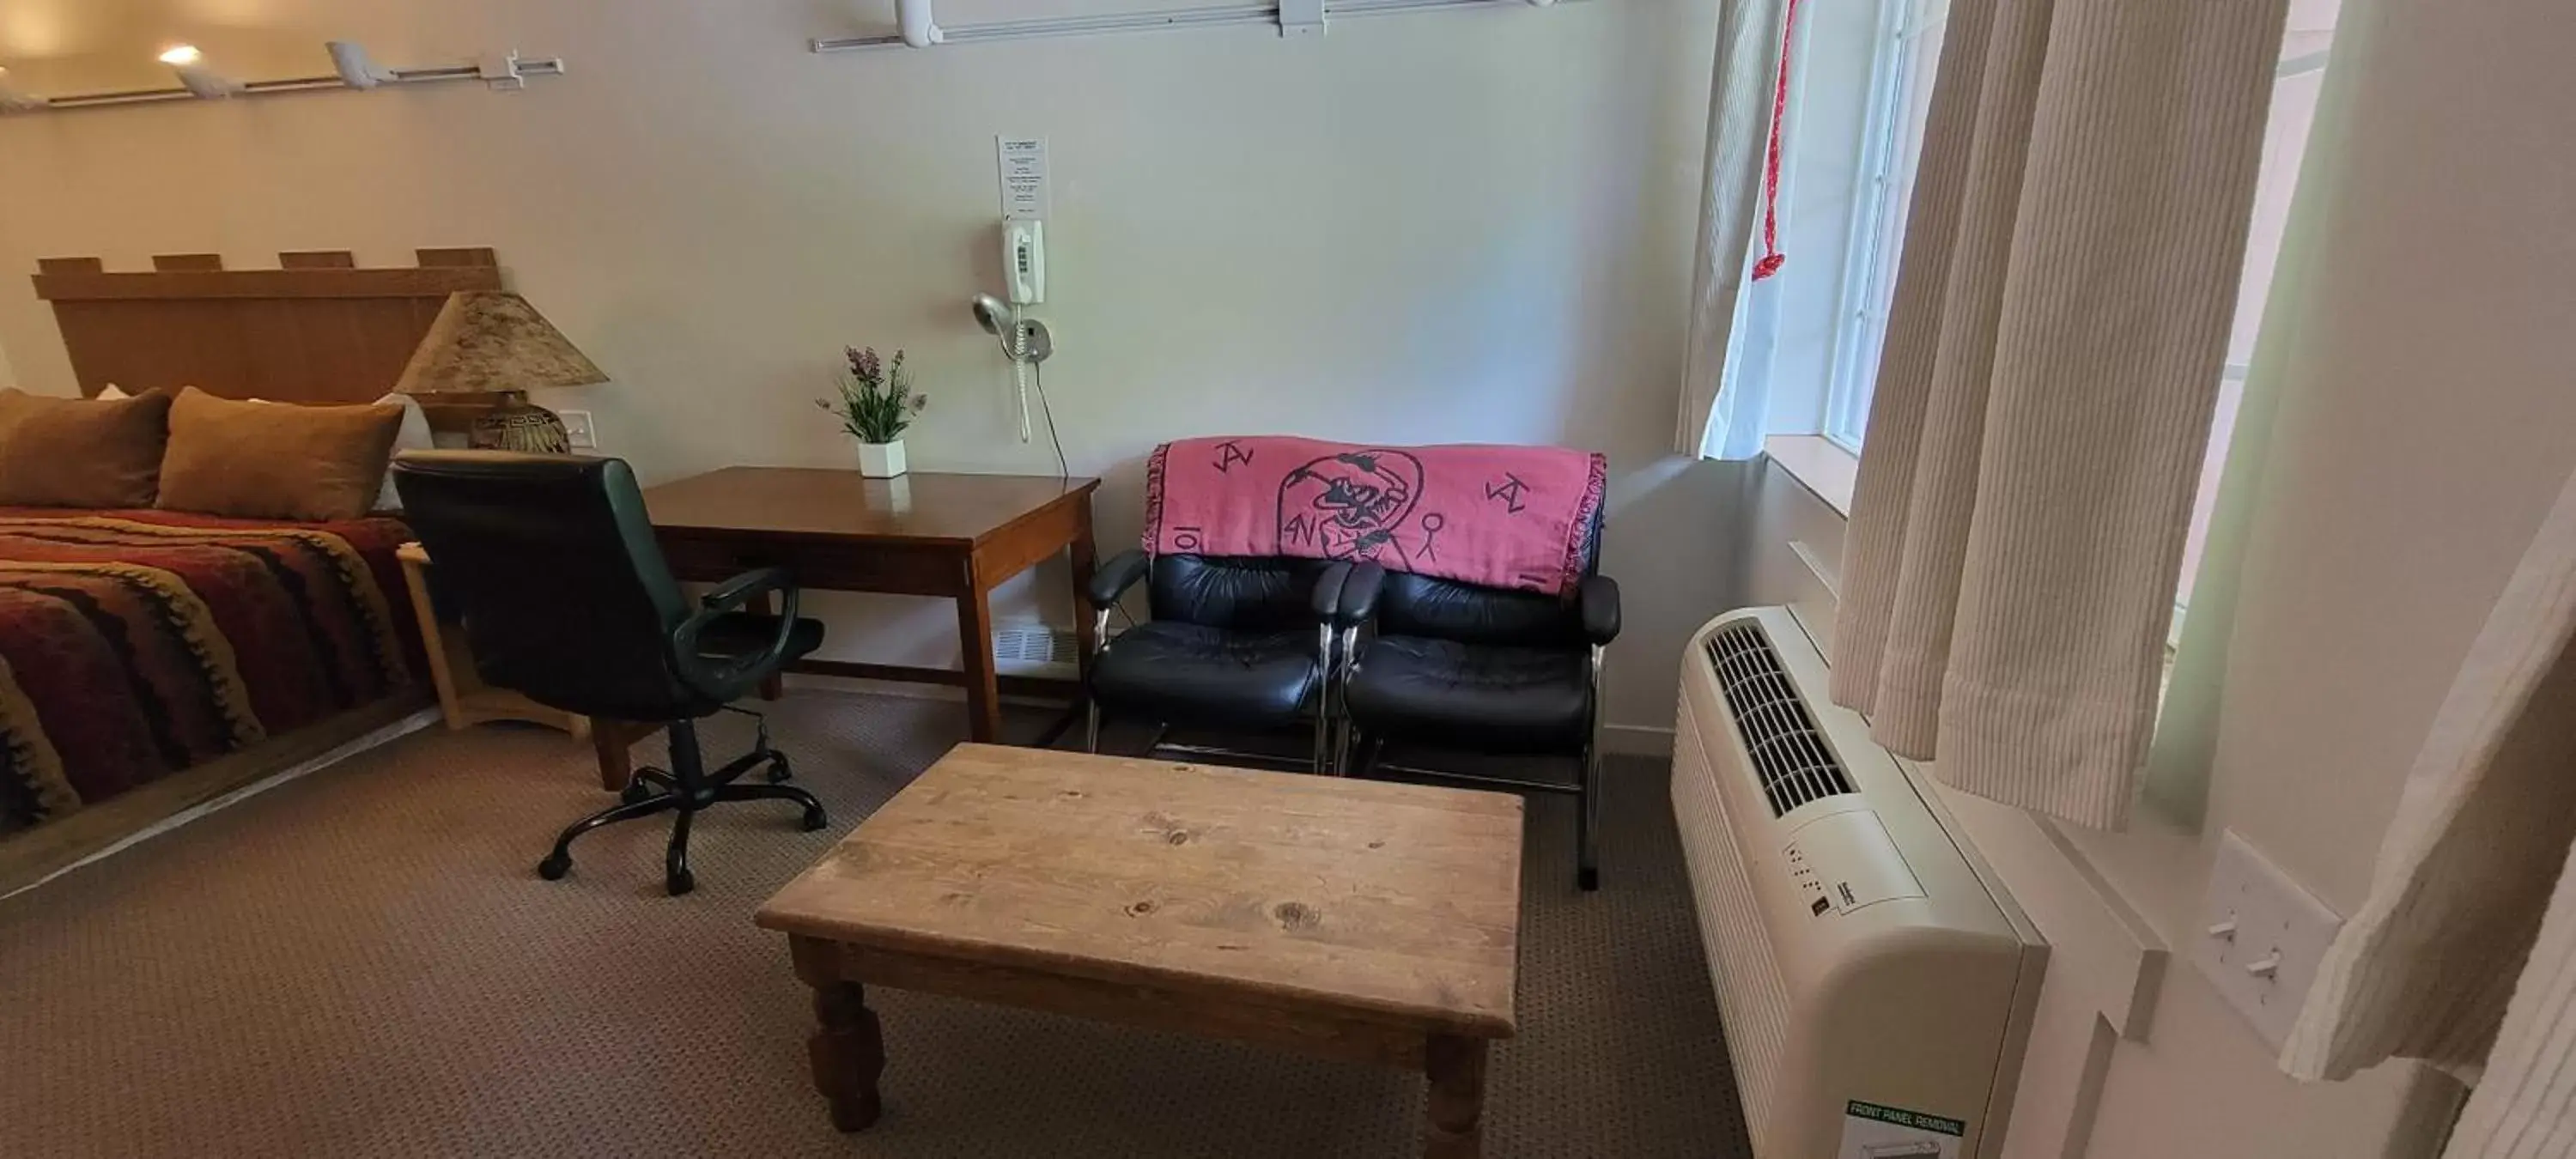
1483, 670
565, 597
1237, 644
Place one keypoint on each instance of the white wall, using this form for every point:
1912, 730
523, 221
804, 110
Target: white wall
2418, 423
1431, 228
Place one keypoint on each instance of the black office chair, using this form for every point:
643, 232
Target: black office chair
1243, 645
566, 598
1483, 670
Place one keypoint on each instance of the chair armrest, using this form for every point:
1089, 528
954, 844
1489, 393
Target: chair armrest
1112, 579
1359, 595
1326, 599
1598, 600
730, 681
732, 594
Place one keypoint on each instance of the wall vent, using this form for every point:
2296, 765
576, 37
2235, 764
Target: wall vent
1031, 648
1788, 752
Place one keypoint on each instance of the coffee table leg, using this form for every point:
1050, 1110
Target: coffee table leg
848, 1054
1457, 1070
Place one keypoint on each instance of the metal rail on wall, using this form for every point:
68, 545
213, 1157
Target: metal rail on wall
199, 80
918, 27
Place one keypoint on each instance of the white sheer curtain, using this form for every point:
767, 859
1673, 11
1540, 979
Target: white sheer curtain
1718, 418
2043, 402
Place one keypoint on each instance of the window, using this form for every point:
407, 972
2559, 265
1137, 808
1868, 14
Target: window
2296, 86
1909, 55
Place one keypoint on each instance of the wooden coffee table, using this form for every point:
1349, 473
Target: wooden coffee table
1352, 919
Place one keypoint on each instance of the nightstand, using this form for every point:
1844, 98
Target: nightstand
463, 698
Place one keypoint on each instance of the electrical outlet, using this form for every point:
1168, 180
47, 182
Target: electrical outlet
579, 430
2261, 937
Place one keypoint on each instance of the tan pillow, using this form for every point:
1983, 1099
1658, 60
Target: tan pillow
70, 452
275, 460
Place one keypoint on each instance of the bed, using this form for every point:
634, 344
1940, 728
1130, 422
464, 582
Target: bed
138, 644
152, 660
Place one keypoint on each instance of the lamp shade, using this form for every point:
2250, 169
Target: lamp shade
490, 342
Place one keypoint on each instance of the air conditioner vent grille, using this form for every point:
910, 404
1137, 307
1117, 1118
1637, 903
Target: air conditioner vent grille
1787, 750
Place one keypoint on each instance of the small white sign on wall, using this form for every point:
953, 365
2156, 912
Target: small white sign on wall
1023, 163
1871, 1131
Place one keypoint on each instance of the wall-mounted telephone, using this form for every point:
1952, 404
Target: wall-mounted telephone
1024, 261
1025, 341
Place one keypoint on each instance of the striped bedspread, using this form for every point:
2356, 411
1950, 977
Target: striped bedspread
135, 644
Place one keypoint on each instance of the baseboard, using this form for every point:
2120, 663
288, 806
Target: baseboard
907, 689
1637, 740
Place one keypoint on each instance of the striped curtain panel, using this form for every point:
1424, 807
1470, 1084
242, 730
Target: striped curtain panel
2471, 886
2044, 399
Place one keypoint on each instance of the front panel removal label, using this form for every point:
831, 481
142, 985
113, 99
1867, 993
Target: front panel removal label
1871, 1131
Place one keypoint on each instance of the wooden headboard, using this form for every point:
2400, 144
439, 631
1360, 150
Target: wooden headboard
316, 330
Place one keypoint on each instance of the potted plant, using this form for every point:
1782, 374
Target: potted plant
877, 403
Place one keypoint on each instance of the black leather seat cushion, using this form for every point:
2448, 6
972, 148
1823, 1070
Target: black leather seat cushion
736, 635
1208, 677
1481, 698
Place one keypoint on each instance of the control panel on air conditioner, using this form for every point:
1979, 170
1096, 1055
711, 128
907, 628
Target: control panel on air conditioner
1844, 861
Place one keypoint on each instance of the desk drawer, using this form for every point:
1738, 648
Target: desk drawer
905, 569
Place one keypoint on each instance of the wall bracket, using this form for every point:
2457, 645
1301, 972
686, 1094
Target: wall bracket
1301, 18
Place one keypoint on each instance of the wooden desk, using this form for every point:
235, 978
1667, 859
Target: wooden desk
923, 534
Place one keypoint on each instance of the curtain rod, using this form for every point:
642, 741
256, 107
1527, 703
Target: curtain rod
1284, 16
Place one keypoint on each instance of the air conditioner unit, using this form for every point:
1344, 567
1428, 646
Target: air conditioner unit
1877, 981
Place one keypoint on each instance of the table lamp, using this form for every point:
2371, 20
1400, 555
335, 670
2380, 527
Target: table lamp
488, 342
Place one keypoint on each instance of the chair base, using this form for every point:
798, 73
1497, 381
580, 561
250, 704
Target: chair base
1317, 762
1319, 758
686, 792
1586, 794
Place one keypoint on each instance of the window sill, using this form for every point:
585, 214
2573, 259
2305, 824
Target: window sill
1819, 464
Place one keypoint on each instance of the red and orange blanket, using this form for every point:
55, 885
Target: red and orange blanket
135, 644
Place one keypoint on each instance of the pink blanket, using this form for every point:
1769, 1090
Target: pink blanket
1506, 517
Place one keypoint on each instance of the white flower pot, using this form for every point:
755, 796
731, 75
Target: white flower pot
881, 460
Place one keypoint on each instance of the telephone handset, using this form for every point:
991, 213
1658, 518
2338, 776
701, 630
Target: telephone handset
1024, 261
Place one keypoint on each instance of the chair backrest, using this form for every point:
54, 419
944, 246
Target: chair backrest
1241, 593
553, 563
1446, 609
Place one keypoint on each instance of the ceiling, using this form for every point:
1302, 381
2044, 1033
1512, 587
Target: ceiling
34, 30
61, 45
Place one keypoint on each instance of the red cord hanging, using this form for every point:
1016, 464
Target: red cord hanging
1772, 258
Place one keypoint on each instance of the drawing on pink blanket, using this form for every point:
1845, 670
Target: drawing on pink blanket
1522, 518
1349, 506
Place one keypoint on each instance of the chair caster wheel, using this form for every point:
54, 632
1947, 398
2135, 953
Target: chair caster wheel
779, 770
680, 883
553, 868
635, 791
815, 819
1588, 878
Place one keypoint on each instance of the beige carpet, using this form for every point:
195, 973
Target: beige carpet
364, 963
